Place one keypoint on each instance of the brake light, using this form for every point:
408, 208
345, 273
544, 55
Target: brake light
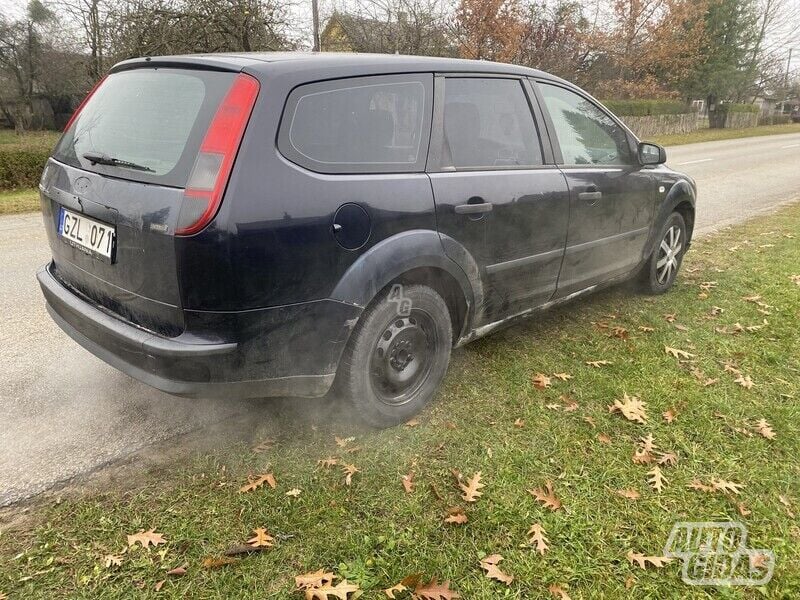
214, 162
83, 103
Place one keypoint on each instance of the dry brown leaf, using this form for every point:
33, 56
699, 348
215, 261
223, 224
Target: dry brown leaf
456, 516
157, 587
646, 329
177, 571
669, 415
489, 564
656, 479
721, 485
294, 492
562, 376
408, 482
558, 591
546, 496
215, 562
412, 422
541, 381
670, 317
619, 332
743, 510
390, 592
631, 408
786, 505
644, 454
765, 429
328, 591
630, 494
795, 279
327, 463
349, 471
678, 353
603, 438
642, 560
668, 459
470, 490
253, 483
313, 580
112, 560
435, 591
519, 423
590, 421
744, 381
342, 442
571, 406
261, 539
146, 538
598, 363
538, 538
698, 485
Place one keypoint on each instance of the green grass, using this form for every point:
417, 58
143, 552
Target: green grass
713, 135
373, 533
18, 201
31, 140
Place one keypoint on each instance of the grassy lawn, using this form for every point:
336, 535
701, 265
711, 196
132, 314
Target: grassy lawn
491, 418
712, 135
31, 140
18, 201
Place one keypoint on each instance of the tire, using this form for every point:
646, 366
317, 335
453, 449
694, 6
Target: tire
393, 364
659, 272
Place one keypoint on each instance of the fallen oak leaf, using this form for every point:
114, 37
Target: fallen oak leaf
558, 591
744, 381
146, 538
177, 571
294, 492
631, 408
642, 560
546, 496
313, 580
519, 423
765, 429
261, 539
541, 381
349, 471
669, 415
390, 592
598, 363
435, 591
325, 592
562, 376
112, 560
537, 537
646, 329
342, 442
253, 483
327, 463
669, 459
678, 353
656, 479
630, 494
157, 587
489, 564
456, 517
603, 438
723, 486
470, 490
408, 482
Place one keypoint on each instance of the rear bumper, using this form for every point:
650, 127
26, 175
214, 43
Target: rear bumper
282, 351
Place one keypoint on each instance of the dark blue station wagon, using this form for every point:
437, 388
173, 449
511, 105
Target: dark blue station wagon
248, 225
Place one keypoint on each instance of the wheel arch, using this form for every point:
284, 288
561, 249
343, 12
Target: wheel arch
681, 199
417, 257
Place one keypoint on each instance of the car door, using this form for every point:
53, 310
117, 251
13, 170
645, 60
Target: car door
497, 192
612, 198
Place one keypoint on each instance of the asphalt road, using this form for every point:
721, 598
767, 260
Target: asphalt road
64, 412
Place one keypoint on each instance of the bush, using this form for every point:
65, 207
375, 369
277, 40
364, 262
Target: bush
646, 108
774, 120
21, 168
738, 108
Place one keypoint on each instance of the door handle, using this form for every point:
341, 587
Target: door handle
473, 209
592, 196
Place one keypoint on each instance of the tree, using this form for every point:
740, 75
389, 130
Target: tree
489, 29
21, 49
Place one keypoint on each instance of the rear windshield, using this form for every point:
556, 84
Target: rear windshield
153, 118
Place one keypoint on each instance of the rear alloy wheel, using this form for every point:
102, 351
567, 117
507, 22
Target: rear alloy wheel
662, 267
396, 359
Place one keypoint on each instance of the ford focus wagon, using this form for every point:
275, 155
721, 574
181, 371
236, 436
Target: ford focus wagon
251, 225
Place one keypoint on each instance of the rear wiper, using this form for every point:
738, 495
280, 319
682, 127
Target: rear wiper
104, 159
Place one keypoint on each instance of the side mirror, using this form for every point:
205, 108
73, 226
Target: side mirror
652, 154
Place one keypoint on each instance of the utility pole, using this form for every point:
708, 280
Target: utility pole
786, 81
315, 17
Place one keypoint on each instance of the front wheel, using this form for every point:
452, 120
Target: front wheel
397, 355
659, 273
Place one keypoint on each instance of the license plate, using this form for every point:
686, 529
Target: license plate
86, 234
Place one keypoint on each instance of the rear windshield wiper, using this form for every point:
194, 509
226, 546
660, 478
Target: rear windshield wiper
98, 158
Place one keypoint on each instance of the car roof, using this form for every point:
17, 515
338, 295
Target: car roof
337, 62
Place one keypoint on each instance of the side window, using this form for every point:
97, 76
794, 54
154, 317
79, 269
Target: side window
359, 125
586, 134
488, 123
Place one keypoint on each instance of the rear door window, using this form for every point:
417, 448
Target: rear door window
153, 118
359, 125
488, 125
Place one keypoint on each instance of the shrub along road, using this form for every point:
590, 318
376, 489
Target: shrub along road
580, 483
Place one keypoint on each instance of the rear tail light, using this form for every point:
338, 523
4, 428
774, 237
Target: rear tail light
214, 162
83, 103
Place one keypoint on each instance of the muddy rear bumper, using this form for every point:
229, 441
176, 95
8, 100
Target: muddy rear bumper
281, 351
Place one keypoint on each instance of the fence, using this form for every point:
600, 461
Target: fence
655, 125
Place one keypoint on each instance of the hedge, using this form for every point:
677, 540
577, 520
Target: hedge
21, 168
646, 108
737, 108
